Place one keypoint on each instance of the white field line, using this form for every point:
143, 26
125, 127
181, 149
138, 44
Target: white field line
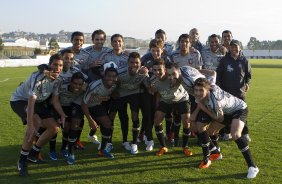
4, 80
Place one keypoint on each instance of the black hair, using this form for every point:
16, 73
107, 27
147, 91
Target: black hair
77, 75
110, 69
55, 57
116, 35
67, 51
76, 33
98, 32
159, 31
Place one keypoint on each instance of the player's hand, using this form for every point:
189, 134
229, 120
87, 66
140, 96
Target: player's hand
143, 70
62, 120
93, 125
103, 98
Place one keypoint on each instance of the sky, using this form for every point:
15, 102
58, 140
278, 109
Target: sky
141, 18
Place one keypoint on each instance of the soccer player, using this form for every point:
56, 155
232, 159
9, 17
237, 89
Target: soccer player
130, 82
213, 54
29, 102
148, 99
172, 95
95, 108
167, 48
67, 100
194, 39
96, 51
226, 38
224, 109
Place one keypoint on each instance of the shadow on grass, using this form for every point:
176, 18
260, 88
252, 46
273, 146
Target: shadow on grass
266, 66
90, 168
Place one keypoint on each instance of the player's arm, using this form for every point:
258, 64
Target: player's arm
92, 123
219, 117
58, 107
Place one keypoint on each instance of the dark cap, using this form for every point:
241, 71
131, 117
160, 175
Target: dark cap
235, 42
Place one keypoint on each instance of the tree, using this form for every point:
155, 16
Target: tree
1, 45
53, 44
253, 44
37, 51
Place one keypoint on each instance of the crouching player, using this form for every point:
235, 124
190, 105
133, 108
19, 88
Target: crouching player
29, 102
172, 96
95, 108
227, 109
67, 100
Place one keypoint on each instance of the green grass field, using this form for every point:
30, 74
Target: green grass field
265, 123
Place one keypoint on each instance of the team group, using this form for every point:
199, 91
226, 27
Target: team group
202, 87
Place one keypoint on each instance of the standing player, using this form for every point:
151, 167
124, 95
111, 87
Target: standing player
225, 108
30, 100
95, 108
226, 38
172, 95
194, 39
129, 90
168, 48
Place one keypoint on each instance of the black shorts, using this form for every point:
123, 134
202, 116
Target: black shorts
73, 111
20, 108
203, 117
98, 111
133, 100
180, 108
240, 114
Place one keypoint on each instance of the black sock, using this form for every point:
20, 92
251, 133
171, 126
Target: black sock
71, 140
176, 129
214, 140
185, 136
168, 124
160, 135
92, 132
106, 135
34, 151
24, 154
64, 140
52, 144
205, 142
135, 131
244, 148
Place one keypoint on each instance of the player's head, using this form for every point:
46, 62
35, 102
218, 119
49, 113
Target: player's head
194, 35
173, 73
134, 63
201, 88
117, 42
98, 38
77, 81
156, 48
226, 37
77, 40
68, 56
110, 76
160, 35
214, 42
184, 42
56, 65
159, 69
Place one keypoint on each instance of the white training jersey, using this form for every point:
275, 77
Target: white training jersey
80, 60
120, 60
192, 59
36, 85
66, 76
211, 60
221, 101
189, 75
95, 90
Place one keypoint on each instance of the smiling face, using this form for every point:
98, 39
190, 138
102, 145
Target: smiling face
98, 41
76, 85
77, 43
159, 71
227, 37
134, 65
184, 44
110, 79
173, 75
56, 68
117, 44
200, 92
234, 50
68, 61
214, 44
156, 52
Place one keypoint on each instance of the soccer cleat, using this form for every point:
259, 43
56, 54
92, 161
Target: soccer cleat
22, 168
64, 153
53, 155
204, 164
252, 172
79, 145
105, 154
215, 156
126, 146
187, 152
32, 159
109, 147
150, 145
162, 151
71, 159
134, 149
94, 139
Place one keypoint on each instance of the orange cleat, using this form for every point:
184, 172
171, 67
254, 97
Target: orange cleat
204, 165
162, 151
187, 152
79, 145
215, 156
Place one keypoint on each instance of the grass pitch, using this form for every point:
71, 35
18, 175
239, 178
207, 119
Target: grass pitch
265, 103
